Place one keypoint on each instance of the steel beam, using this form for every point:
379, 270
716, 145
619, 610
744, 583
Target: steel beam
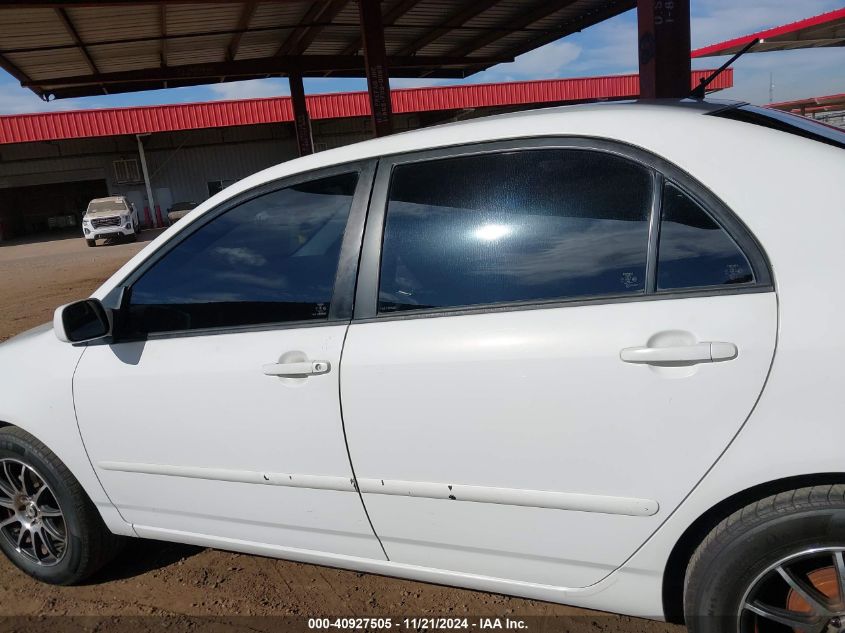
71, 30
458, 18
552, 33
389, 18
87, 90
265, 66
243, 23
41, 4
20, 75
64, 18
524, 19
664, 49
301, 120
611, 9
323, 11
162, 25
378, 81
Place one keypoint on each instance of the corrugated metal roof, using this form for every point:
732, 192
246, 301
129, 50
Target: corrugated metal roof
811, 105
147, 44
827, 29
22, 128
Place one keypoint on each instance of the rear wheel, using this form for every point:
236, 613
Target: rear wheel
48, 526
776, 565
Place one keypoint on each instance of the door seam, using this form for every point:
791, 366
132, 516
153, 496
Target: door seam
346, 442
82, 439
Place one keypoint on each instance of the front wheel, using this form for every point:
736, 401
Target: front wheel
776, 565
48, 526
91, 243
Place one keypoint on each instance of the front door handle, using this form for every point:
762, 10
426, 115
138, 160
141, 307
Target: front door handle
297, 370
706, 352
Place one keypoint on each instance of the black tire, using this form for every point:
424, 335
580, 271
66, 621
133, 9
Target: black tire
743, 551
91, 242
89, 544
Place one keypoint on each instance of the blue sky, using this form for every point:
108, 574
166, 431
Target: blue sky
608, 48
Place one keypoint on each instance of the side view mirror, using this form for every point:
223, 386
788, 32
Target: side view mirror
81, 321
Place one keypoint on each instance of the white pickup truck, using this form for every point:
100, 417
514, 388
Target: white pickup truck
114, 216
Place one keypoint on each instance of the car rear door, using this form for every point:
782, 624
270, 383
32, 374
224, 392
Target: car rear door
553, 341
216, 413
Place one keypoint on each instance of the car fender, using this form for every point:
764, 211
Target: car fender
36, 395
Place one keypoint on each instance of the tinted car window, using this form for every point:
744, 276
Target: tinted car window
514, 226
271, 259
786, 122
694, 251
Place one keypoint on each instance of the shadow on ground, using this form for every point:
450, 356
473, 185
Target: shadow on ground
140, 556
74, 233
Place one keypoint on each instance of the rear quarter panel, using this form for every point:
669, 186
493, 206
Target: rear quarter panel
790, 192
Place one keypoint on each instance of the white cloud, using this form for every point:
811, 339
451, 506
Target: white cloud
415, 82
250, 89
612, 48
17, 100
541, 63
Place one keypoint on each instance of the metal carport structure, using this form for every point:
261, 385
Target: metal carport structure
820, 31
75, 48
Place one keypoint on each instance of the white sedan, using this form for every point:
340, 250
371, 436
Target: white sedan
590, 355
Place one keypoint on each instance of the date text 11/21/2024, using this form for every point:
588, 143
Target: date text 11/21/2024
417, 624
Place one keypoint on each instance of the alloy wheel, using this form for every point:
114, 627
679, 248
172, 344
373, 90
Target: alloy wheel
804, 592
31, 520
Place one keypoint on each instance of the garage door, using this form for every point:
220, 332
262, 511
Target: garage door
41, 208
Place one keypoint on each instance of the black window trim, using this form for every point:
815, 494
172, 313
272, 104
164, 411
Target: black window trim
343, 293
366, 296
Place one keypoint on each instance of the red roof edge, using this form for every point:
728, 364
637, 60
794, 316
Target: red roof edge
52, 126
713, 49
811, 104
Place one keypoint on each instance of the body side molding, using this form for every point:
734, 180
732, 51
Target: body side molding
421, 489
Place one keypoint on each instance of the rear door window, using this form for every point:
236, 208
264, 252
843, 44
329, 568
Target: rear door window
517, 226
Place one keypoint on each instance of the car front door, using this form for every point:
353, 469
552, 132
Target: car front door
216, 411
553, 342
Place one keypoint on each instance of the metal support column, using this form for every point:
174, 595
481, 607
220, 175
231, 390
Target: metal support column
375, 59
301, 120
150, 201
664, 31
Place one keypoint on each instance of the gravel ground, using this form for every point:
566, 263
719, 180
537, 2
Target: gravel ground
187, 588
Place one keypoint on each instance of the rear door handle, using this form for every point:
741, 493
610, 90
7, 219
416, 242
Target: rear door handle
706, 352
297, 370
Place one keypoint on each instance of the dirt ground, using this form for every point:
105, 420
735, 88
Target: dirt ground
187, 588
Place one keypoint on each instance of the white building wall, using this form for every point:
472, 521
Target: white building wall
180, 163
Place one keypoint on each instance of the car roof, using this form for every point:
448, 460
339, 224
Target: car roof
109, 199
572, 120
499, 126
